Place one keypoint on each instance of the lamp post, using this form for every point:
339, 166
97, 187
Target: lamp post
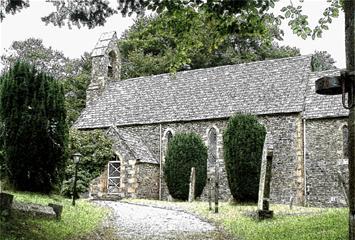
76, 158
345, 83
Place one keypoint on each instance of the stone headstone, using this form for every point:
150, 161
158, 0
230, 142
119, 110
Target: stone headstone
5, 204
192, 185
209, 194
57, 209
291, 202
264, 184
34, 210
216, 190
345, 189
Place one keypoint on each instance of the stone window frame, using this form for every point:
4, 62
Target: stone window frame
112, 62
208, 130
165, 141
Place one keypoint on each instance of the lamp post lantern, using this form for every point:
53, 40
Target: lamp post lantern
76, 158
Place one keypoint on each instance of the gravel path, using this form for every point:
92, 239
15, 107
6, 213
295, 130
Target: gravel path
146, 222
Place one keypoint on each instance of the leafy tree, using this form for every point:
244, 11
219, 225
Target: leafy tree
242, 17
75, 89
186, 150
44, 58
92, 13
321, 61
96, 149
152, 45
11, 6
35, 133
243, 141
73, 73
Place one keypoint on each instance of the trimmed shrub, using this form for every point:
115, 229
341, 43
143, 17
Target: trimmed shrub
34, 131
243, 141
185, 150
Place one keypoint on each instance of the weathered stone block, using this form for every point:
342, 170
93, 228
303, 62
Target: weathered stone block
5, 204
131, 190
264, 214
34, 210
132, 180
57, 209
132, 162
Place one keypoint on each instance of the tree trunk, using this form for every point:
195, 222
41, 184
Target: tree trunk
349, 48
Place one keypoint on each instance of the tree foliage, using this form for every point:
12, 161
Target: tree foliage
46, 59
186, 150
94, 13
96, 149
154, 45
73, 73
321, 61
299, 22
242, 18
12, 7
75, 87
35, 132
243, 141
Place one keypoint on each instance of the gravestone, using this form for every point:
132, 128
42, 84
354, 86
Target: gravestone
345, 189
264, 185
34, 210
192, 185
216, 190
209, 194
5, 205
57, 209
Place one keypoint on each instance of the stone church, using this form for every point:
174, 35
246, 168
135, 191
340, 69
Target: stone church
307, 132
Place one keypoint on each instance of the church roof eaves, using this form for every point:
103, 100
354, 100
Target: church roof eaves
322, 106
264, 87
134, 145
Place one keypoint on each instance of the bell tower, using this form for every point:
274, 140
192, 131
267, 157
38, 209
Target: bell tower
106, 65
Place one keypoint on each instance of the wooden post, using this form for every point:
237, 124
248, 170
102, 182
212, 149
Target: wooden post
74, 185
192, 185
216, 190
210, 194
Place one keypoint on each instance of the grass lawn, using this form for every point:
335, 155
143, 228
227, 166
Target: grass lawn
76, 221
300, 223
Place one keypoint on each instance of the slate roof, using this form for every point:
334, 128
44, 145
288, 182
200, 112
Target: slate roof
133, 144
264, 87
323, 106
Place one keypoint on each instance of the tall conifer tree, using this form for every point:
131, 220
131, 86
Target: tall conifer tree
35, 133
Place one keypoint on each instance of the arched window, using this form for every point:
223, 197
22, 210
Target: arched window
345, 141
212, 147
168, 135
112, 64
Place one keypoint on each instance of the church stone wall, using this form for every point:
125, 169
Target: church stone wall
325, 164
148, 181
285, 130
324, 159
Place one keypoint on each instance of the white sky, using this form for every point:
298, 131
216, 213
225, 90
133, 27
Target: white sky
76, 41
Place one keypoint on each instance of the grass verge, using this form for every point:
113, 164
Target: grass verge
296, 224
76, 221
